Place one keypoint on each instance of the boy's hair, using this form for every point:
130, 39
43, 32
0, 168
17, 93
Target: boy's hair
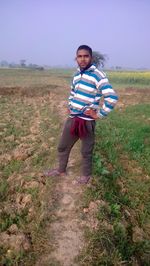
85, 47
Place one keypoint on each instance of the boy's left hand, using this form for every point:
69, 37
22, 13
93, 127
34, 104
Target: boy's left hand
91, 113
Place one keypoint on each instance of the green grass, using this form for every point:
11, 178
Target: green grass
121, 169
12, 259
4, 189
128, 132
11, 167
6, 220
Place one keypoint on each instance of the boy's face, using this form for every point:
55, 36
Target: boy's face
83, 58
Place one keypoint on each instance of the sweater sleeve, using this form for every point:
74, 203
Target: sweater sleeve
72, 92
109, 95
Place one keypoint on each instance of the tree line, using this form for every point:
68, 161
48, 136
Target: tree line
22, 64
99, 60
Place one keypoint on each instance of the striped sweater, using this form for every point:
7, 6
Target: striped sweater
88, 86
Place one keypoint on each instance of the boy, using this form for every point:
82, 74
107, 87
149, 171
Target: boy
88, 86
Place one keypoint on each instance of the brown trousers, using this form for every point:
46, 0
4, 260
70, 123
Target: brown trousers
67, 141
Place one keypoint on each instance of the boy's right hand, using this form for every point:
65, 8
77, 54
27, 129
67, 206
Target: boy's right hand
68, 111
91, 113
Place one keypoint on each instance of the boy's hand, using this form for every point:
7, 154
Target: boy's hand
91, 113
68, 111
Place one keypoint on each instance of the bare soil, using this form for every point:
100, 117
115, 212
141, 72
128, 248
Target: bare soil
132, 96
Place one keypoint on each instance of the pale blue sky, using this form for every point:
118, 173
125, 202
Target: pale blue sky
49, 31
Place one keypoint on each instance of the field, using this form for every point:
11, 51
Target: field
113, 211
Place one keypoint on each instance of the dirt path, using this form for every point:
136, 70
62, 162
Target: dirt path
66, 229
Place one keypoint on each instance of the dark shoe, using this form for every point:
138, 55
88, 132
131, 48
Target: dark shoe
83, 180
53, 172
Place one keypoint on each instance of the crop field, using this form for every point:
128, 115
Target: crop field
126, 78
114, 209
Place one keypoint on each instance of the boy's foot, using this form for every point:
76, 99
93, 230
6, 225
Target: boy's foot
83, 180
53, 172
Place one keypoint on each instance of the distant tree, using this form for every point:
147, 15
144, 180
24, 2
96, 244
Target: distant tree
23, 63
118, 67
4, 63
35, 67
40, 68
12, 65
99, 59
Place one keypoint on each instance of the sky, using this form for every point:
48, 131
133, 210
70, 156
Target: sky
48, 32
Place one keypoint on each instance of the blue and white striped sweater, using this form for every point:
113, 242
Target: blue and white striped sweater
86, 91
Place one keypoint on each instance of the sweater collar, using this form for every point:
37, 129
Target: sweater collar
90, 68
